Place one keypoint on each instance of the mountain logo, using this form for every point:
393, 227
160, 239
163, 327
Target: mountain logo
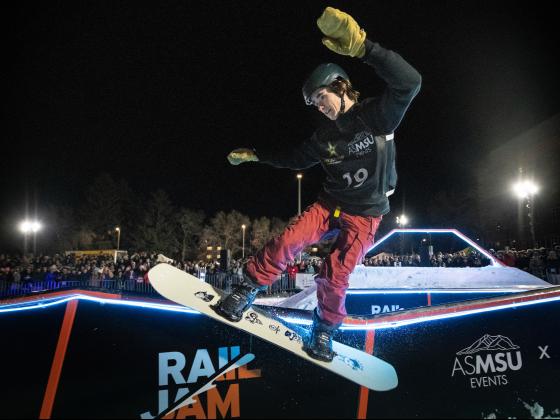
489, 343
488, 361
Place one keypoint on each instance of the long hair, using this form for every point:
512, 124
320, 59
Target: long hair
341, 86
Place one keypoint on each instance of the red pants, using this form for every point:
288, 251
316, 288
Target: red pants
354, 240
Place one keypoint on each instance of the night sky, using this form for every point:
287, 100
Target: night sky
159, 93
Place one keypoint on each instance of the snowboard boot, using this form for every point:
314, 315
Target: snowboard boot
241, 298
319, 344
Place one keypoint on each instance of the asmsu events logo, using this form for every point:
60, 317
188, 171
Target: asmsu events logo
487, 361
362, 143
209, 388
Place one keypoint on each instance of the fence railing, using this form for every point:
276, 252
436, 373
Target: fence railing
223, 281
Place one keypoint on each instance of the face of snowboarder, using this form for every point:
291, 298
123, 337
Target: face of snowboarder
329, 103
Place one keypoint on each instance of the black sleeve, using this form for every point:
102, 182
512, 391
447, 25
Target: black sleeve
384, 113
302, 157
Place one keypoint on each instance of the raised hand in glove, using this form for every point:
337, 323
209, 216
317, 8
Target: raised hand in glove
238, 156
342, 33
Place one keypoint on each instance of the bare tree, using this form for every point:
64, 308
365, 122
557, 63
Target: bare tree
192, 225
225, 231
260, 233
62, 231
277, 226
157, 231
107, 204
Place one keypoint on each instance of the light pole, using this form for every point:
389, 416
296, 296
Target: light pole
118, 230
243, 247
402, 221
27, 227
299, 176
525, 190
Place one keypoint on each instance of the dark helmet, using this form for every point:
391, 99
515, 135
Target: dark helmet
322, 76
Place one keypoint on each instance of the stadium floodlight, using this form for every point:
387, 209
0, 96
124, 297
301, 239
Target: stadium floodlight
525, 188
30, 226
402, 220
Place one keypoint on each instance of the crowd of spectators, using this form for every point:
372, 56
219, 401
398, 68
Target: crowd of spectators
57, 268
470, 258
15, 268
87, 268
309, 266
540, 262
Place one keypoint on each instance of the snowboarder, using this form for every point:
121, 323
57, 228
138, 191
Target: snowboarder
356, 150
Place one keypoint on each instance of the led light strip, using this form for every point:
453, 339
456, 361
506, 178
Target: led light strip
432, 291
52, 302
493, 260
298, 321
427, 318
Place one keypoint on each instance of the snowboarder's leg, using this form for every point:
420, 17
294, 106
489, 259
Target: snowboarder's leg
355, 239
267, 265
271, 261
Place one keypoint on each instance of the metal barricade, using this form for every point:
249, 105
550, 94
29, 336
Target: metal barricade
220, 280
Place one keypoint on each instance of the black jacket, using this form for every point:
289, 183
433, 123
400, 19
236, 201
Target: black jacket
357, 151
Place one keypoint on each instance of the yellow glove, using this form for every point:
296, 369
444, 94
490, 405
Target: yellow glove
238, 156
342, 33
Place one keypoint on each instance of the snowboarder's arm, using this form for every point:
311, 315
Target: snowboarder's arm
344, 36
342, 33
384, 113
302, 157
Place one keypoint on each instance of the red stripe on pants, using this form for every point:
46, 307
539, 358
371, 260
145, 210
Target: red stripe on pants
354, 240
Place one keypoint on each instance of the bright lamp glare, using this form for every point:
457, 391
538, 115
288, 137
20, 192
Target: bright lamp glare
30, 226
524, 189
402, 220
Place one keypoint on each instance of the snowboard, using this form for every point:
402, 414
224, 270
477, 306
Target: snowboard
351, 363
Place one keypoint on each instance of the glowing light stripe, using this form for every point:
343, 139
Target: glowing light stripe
424, 291
428, 318
42, 304
493, 260
297, 321
36, 305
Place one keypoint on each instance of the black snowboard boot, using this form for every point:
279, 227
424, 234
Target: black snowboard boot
319, 344
241, 298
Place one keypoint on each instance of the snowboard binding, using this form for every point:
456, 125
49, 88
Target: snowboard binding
320, 343
241, 298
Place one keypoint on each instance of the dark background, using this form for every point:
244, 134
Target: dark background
159, 93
